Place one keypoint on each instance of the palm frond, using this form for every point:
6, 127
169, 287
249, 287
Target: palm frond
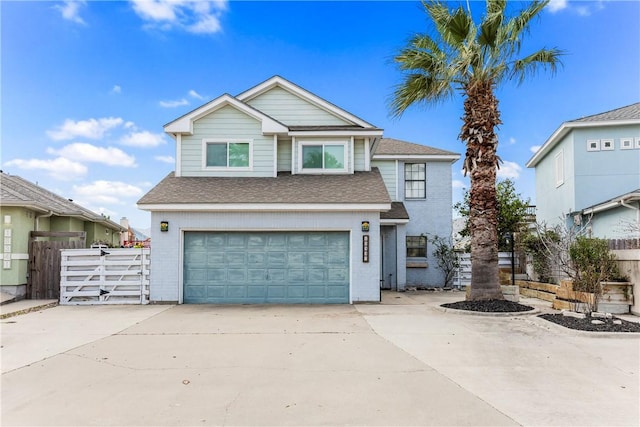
529, 65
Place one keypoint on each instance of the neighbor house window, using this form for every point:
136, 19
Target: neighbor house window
415, 181
416, 247
323, 156
227, 154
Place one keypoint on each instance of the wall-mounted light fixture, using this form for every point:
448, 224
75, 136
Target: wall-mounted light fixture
164, 225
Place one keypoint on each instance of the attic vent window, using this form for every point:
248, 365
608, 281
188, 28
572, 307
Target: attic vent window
593, 145
626, 143
606, 144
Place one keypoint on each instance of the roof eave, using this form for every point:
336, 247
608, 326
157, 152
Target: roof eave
265, 207
565, 128
437, 157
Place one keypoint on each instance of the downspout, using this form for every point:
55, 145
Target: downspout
47, 215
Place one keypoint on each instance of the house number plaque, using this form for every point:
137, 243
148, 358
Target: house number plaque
365, 248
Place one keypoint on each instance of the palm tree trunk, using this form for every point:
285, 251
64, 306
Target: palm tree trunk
481, 116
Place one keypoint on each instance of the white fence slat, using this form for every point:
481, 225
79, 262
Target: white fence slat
107, 276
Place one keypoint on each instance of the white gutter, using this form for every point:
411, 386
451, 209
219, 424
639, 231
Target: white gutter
47, 215
615, 203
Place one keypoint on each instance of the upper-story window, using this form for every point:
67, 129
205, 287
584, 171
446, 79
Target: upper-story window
415, 181
230, 154
323, 156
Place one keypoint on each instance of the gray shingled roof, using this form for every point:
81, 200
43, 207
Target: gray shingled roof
16, 191
358, 188
398, 211
390, 146
630, 112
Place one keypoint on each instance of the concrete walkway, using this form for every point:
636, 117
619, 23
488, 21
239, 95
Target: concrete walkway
403, 362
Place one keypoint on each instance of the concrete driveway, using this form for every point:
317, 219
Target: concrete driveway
404, 362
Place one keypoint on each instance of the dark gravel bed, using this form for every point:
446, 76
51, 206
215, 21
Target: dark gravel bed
489, 306
586, 325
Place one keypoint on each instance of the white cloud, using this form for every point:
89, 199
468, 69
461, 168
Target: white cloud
143, 139
557, 5
106, 192
173, 104
116, 89
194, 94
194, 16
534, 148
457, 184
165, 159
512, 140
70, 10
509, 170
91, 128
59, 168
82, 152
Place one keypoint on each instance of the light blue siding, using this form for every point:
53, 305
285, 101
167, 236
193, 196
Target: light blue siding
615, 223
284, 154
292, 110
230, 123
167, 249
603, 175
430, 217
388, 171
358, 155
554, 202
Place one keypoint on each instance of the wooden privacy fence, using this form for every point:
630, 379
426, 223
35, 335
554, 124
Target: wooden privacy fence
105, 276
43, 280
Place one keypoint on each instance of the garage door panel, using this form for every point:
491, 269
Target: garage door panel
266, 267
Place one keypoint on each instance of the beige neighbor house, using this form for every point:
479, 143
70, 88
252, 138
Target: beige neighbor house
30, 215
280, 196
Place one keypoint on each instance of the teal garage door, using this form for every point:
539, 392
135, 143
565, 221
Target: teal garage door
266, 267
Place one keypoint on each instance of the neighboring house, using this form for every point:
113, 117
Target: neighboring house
133, 237
280, 196
588, 174
26, 207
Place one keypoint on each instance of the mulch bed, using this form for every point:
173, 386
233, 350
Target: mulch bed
489, 306
586, 325
503, 306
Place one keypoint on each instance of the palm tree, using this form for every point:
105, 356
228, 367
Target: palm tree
474, 59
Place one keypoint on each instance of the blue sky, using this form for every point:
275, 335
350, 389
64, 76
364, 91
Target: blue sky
87, 86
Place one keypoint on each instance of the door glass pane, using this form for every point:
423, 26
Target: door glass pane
217, 155
238, 155
312, 157
334, 157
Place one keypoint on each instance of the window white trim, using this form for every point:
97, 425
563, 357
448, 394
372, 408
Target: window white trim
293, 155
593, 145
559, 168
228, 141
323, 143
637, 142
626, 143
606, 144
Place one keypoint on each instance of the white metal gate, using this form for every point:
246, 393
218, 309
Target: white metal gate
104, 276
462, 278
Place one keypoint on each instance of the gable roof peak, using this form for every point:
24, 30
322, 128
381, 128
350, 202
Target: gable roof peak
279, 81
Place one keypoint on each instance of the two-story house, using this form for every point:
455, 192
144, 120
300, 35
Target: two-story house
588, 174
279, 196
